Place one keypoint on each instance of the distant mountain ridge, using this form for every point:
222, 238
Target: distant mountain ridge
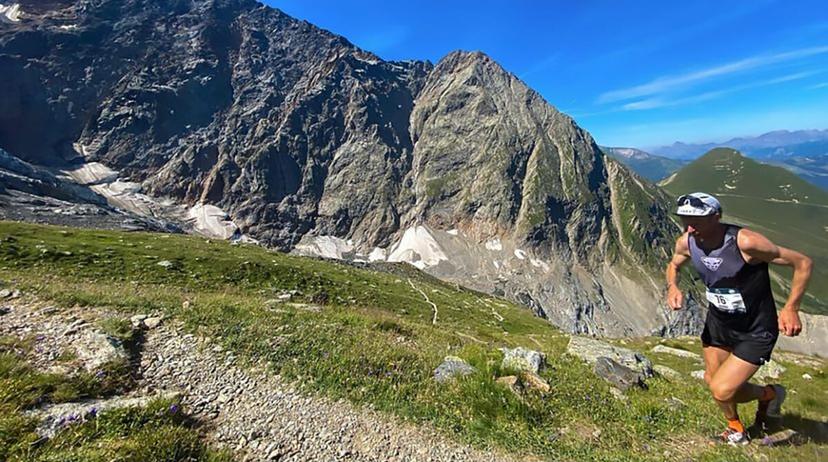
757, 146
650, 166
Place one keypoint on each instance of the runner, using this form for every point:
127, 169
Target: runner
742, 324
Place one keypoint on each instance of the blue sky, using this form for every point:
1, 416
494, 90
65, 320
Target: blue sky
632, 73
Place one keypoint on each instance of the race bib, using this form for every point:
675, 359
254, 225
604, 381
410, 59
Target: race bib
727, 300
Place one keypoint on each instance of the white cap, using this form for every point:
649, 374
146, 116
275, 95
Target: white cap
698, 204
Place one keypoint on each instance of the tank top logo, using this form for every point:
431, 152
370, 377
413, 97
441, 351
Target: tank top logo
712, 263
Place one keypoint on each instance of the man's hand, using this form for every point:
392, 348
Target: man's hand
789, 323
675, 298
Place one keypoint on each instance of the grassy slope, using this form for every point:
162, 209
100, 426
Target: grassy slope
752, 199
374, 343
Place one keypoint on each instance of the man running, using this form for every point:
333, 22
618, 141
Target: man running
742, 324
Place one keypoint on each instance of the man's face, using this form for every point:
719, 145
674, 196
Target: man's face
701, 227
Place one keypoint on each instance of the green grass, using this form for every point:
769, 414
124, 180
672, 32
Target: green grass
374, 344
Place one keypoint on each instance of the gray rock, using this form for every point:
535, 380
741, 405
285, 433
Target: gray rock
667, 372
165, 264
5, 293
522, 359
676, 352
53, 417
770, 370
452, 367
138, 320
618, 375
590, 350
94, 349
152, 322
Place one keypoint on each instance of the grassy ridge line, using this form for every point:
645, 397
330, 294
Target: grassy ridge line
373, 342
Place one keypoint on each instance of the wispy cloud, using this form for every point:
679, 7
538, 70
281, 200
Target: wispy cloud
819, 85
679, 82
658, 102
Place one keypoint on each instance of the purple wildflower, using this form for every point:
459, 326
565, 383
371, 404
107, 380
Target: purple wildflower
73, 418
40, 337
92, 412
174, 408
100, 374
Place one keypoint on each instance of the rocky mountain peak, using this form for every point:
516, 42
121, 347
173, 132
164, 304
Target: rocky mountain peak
291, 134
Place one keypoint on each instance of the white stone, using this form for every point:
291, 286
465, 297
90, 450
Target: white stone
494, 244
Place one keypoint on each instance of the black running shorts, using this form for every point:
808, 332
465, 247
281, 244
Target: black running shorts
754, 346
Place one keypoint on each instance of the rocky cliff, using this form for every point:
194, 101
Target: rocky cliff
308, 143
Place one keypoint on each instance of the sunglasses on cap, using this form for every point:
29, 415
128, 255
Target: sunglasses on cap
693, 200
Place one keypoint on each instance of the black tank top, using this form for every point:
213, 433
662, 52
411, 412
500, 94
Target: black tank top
738, 293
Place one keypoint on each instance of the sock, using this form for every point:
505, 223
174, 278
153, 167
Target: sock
736, 425
767, 394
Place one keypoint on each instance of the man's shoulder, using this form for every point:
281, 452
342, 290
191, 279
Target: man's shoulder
682, 245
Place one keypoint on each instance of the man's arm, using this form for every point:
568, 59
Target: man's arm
759, 248
680, 256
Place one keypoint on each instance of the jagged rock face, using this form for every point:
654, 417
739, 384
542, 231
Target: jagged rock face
491, 155
296, 133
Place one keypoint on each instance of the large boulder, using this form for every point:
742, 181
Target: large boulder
590, 350
522, 359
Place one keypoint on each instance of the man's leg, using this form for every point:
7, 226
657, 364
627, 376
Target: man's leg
714, 356
729, 386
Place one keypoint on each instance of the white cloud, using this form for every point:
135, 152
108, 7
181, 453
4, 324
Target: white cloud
678, 82
658, 102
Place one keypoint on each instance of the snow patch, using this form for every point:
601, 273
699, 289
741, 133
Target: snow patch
453, 232
378, 254
494, 244
126, 195
520, 254
69, 27
327, 246
10, 13
417, 247
92, 173
729, 186
212, 221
